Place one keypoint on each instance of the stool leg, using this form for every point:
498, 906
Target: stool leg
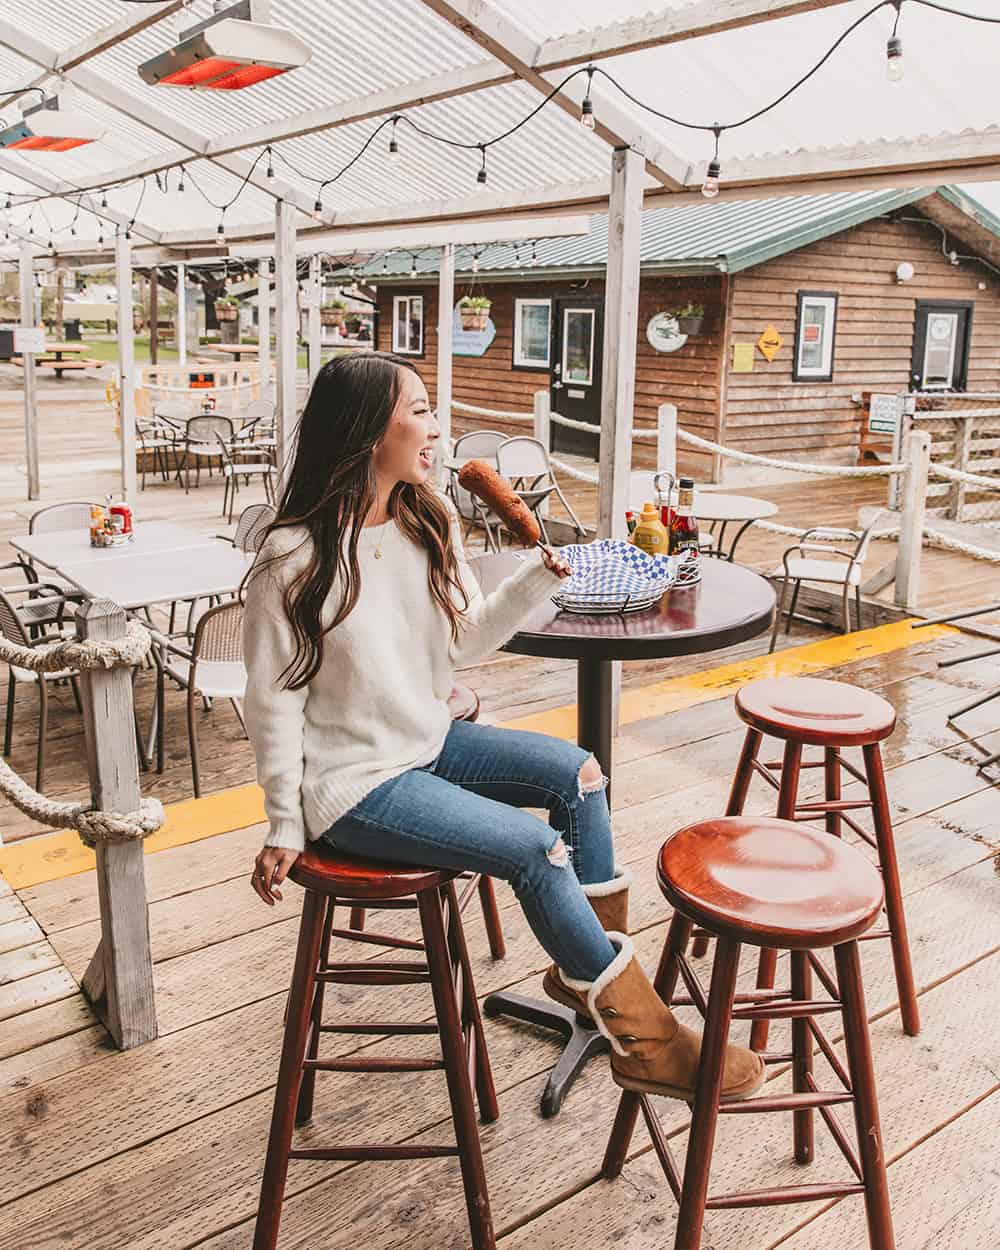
459, 1089
831, 776
664, 983
486, 1093
737, 800
791, 766
893, 893
491, 915
871, 1149
701, 1139
307, 1086
272, 1188
802, 1057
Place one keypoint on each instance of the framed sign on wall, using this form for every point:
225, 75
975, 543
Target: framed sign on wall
815, 329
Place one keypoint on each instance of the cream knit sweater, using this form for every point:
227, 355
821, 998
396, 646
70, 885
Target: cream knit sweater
378, 705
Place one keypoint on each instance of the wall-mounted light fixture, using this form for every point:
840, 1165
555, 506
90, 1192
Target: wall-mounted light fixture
904, 271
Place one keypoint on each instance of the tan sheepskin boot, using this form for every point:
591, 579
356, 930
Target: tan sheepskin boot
609, 899
651, 1051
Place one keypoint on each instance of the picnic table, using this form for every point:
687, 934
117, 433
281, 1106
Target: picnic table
238, 350
60, 357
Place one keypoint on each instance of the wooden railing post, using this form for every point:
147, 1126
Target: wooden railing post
542, 408
666, 438
917, 455
119, 980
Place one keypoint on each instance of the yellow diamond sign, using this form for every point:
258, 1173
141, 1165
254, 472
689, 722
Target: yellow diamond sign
770, 343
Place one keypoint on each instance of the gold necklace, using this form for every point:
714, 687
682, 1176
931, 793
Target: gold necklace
378, 545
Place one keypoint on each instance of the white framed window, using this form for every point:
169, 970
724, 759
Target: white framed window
814, 335
408, 325
532, 328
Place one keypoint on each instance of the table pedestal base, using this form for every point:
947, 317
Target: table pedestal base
582, 1040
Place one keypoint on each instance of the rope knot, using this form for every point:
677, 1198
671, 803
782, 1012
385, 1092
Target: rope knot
96, 826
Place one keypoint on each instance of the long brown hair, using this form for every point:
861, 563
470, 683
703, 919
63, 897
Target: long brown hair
330, 491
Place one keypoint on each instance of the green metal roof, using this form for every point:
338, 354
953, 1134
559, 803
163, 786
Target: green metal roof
691, 238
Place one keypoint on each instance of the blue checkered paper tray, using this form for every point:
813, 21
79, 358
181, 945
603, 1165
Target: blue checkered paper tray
614, 576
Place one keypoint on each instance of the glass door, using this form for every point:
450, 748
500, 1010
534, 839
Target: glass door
941, 345
577, 330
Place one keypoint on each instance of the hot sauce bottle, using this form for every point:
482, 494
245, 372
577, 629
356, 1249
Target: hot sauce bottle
684, 523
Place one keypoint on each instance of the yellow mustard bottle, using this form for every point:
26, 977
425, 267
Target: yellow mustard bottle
651, 534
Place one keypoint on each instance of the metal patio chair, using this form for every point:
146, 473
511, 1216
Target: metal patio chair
202, 438
14, 627
211, 668
841, 568
477, 445
525, 462
234, 469
251, 526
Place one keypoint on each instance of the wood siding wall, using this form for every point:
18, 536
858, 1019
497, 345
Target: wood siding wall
690, 378
767, 412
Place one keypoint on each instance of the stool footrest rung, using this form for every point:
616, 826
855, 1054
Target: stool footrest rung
785, 1194
366, 1153
745, 996
873, 934
777, 1056
786, 1011
377, 939
380, 1064
834, 805
379, 1027
375, 974
786, 1102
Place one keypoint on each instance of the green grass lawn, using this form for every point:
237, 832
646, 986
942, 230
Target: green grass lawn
107, 350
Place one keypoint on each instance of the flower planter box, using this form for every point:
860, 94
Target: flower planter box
226, 314
474, 320
690, 325
331, 316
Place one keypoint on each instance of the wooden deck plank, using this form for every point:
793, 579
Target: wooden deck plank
37, 1027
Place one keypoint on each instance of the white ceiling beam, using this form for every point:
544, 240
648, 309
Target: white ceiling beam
25, 171
461, 233
510, 44
146, 114
705, 17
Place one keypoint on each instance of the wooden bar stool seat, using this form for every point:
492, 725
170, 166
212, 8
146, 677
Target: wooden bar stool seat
769, 883
832, 715
330, 877
463, 704
814, 710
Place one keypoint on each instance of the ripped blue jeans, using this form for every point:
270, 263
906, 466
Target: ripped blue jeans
463, 812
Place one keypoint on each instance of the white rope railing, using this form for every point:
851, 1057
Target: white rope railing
793, 466
935, 538
792, 531
498, 413
93, 825
570, 471
962, 475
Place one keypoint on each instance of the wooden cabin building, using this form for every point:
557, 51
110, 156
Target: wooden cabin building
809, 304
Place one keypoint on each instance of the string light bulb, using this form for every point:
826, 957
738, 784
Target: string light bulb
481, 176
180, 181
104, 200
587, 107
270, 162
413, 267
52, 248
713, 172
220, 231
393, 144
894, 59
317, 212
475, 262
534, 255
385, 263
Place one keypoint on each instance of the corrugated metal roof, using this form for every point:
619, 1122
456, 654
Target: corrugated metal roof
690, 238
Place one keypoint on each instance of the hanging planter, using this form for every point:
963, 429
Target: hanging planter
333, 314
690, 319
226, 309
474, 311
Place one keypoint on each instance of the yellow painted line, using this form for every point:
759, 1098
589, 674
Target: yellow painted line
61, 854
674, 693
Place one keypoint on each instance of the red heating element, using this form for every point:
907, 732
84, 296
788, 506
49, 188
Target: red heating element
216, 74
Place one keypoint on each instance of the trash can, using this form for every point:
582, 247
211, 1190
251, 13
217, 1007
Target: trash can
71, 327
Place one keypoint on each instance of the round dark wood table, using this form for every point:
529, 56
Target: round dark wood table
728, 605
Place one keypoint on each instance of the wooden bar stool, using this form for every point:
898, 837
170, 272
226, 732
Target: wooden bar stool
463, 703
775, 884
811, 711
328, 877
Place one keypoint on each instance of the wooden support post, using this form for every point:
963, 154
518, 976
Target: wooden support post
315, 330
154, 311
445, 322
286, 331
542, 429
264, 325
126, 363
59, 328
917, 454
182, 337
621, 326
26, 273
960, 460
119, 980
666, 438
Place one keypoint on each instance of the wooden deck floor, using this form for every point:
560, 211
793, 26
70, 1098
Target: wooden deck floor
162, 1148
